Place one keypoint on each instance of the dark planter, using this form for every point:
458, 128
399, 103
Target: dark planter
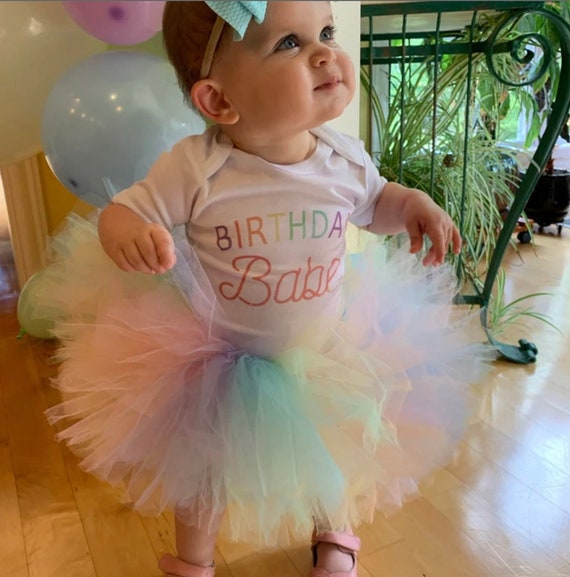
548, 204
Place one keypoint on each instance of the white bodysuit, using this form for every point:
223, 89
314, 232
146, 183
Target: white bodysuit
270, 238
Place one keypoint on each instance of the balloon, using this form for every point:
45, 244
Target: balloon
35, 321
107, 120
122, 23
38, 42
154, 45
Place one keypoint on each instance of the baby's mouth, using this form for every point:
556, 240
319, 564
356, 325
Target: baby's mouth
331, 82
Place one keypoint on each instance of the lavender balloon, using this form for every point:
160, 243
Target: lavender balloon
120, 23
107, 120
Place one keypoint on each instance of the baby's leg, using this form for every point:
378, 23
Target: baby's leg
195, 545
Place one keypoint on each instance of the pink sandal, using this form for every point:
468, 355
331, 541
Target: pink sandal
346, 543
177, 568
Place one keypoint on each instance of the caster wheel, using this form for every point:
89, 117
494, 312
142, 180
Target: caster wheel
524, 237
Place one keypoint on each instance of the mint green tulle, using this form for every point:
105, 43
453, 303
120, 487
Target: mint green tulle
341, 425
283, 465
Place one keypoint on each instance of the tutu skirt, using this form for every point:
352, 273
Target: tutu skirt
153, 400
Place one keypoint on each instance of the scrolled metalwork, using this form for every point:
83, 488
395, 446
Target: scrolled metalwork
559, 108
506, 40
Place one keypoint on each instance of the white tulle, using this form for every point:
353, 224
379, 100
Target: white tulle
335, 430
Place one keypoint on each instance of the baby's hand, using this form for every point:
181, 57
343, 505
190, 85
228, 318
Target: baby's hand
423, 216
147, 249
134, 244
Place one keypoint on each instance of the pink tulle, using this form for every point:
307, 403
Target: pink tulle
335, 430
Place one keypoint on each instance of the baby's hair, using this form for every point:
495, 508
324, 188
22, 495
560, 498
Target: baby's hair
186, 29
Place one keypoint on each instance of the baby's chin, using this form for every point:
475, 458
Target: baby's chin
333, 113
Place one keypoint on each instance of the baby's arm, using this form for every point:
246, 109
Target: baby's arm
407, 209
134, 244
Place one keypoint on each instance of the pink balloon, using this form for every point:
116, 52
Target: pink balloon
121, 23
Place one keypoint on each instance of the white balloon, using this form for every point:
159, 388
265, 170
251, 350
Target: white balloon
38, 42
108, 119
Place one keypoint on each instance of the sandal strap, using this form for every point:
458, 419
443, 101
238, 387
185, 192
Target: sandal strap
175, 567
349, 542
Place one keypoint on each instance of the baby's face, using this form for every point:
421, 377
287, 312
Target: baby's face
288, 74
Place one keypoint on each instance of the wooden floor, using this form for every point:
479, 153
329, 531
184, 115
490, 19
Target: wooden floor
500, 509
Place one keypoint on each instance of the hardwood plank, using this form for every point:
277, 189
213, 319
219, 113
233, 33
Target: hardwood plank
510, 551
530, 468
438, 547
515, 504
501, 508
262, 565
13, 547
550, 443
115, 534
11, 531
53, 533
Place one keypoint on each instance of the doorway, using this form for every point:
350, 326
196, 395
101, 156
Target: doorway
8, 278
24, 226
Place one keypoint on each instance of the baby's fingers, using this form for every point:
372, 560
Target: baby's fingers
165, 257
154, 251
136, 256
436, 253
432, 258
121, 260
456, 241
442, 242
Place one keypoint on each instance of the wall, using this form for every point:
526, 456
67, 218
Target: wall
57, 199
347, 17
4, 221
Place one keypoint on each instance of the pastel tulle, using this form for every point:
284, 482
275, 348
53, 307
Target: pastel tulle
155, 401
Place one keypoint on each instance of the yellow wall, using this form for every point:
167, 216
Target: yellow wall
57, 199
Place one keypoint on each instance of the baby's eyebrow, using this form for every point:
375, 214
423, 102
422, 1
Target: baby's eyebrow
269, 37
268, 40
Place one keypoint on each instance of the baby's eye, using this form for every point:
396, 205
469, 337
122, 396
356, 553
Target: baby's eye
327, 34
288, 43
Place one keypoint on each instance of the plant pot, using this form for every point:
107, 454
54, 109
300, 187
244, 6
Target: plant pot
548, 204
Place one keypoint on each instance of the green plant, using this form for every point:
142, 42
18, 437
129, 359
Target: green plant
532, 78
423, 144
536, 101
440, 106
503, 315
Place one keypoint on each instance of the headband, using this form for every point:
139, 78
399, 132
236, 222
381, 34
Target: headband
238, 15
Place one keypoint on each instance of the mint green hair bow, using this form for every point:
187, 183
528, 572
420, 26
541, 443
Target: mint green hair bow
239, 14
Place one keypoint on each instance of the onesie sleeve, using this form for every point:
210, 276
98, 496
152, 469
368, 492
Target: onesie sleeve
166, 195
373, 185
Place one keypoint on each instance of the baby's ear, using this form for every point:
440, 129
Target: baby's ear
209, 98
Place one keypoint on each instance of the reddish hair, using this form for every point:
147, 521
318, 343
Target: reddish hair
186, 29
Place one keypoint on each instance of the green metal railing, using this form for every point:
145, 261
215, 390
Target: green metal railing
393, 56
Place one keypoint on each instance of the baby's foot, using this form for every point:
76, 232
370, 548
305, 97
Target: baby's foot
334, 554
333, 559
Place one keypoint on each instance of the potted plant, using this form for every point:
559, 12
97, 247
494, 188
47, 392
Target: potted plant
549, 200
421, 135
425, 141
